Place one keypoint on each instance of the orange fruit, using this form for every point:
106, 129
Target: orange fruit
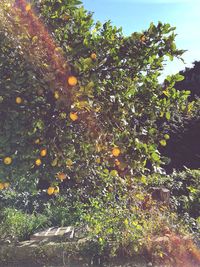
73, 116
6, 185
56, 190
116, 151
72, 80
93, 56
1, 186
38, 162
61, 176
28, 7
117, 162
7, 160
56, 95
18, 100
50, 190
43, 152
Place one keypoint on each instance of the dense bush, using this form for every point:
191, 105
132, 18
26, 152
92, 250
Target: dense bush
182, 148
185, 194
17, 225
191, 81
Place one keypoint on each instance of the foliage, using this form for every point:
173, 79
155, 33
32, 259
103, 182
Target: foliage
185, 190
79, 107
191, 80
60, 212
182, 148
18, 225
109, 99
185, 195
121, 229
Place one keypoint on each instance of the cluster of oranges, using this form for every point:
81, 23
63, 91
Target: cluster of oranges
7, 161
43, 153
115, 152
53, 190
4, 185
71, 81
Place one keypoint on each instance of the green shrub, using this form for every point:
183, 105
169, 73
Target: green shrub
185, 190
185, 194
61, 212
18, 225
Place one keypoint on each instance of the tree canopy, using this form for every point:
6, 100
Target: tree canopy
55, 129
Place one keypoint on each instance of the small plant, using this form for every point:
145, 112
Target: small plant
18, 225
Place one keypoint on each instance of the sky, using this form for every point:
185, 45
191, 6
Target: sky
136, 15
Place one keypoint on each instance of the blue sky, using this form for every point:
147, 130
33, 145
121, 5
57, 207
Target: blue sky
136, 15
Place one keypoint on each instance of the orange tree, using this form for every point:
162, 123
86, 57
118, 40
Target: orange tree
80, 99
79, 107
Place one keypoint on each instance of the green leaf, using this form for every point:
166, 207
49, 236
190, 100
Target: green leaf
168, 115
179, 77
155, 156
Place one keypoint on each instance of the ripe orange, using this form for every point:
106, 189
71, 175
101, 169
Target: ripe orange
1, 186
28, 7
116, 151
73, 116
72, 80
6, 185
117, 162
56, 190
7, 160
61, 176
18, 100
38, 162
43, 152
50, 190
56, 95
93, 56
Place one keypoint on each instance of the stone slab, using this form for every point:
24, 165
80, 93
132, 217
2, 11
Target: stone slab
54, 233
